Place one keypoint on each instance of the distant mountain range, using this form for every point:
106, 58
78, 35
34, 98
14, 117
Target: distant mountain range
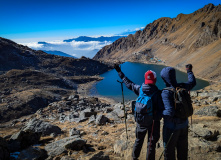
100, 39
81, 46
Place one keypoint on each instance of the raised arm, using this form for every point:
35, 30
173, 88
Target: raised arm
129, 84
191, 78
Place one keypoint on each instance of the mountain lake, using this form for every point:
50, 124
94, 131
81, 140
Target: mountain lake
109, 87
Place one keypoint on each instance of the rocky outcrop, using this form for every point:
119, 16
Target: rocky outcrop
201, 130
61, 146
207, 111
74, 110
23, 139
189, 38
42, 127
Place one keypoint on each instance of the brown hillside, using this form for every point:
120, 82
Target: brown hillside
30, 79
189, 38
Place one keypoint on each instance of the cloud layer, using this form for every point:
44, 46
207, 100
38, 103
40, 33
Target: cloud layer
81, 46
74, 48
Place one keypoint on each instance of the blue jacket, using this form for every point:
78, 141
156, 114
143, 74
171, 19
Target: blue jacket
168, 74
148, 90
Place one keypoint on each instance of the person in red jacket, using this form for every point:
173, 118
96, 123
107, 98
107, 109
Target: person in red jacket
144, 122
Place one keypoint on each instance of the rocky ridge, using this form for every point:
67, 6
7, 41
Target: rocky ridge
189, 38
31, 79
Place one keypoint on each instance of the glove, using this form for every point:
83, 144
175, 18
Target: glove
189, 67
117, 68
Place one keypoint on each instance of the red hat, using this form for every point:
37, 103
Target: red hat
150, 77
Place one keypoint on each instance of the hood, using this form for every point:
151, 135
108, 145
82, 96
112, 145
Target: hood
168, 74
149, 89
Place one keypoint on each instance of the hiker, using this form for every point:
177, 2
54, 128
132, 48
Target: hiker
175, 129
145, 122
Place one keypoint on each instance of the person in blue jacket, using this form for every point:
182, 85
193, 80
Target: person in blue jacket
175, 130
145, 122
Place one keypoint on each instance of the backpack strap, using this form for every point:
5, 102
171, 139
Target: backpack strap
141, 91
170, 89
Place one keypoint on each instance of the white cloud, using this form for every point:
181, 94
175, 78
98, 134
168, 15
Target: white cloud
137, 29
76, 48
91, 45
58, 42
33, 45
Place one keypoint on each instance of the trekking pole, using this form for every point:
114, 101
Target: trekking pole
166, 145
150, 141
191, 119
125, 121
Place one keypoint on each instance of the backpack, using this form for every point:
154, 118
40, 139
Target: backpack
183, 103
144, 104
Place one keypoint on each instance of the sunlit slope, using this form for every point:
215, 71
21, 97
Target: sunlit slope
192, 38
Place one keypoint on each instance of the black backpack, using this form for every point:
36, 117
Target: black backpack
183, 103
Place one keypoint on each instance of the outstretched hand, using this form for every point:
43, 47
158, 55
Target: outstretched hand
189, 67
117, 68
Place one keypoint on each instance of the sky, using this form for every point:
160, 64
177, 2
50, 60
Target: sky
41, 20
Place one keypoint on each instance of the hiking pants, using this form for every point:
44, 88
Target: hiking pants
179, 140
141, 131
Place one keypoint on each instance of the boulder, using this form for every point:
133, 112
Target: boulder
119, 112
118, 105
61, 146
87, 113
207, 111
33, 153
200, 130
92, 119
74, 132
67, 158
75, 144
113, 116
101, 120
24, 139
45, 128
71, 117
4, 151
107, 109
78, 120
73, 97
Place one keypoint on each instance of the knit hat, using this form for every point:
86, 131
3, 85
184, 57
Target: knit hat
150, 77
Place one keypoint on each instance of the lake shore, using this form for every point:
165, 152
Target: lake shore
84, 90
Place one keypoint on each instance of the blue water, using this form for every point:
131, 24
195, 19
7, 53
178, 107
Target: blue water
109, 87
